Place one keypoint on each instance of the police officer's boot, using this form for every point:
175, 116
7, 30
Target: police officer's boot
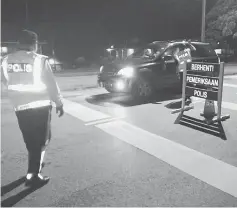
34, 177
42, 164
37, 180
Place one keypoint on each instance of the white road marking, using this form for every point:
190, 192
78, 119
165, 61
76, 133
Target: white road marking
203, 167
212, 171
226, 105
83, 113
196, 101
103, 121
5, 101
231, 76
230, 85
72, 93
230, 106
83, 92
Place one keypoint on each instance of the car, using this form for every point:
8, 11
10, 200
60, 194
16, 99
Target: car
151, 68
55, 64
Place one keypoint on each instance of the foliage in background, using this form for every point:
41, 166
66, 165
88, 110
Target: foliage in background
222, 20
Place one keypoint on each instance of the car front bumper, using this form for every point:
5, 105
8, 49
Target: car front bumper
116, 84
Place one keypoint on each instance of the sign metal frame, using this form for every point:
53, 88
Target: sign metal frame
184, 108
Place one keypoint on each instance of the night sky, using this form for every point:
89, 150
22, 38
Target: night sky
86, 27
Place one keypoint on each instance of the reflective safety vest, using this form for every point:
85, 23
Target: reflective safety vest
182, 57
29, 80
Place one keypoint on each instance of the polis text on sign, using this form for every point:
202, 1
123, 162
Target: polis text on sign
201, 93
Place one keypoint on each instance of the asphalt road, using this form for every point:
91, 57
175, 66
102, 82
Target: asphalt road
111, 151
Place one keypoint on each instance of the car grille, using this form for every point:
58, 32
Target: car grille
106, 75
109, 73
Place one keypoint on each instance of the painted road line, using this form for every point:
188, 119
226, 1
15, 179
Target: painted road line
230, 85
74, 93
203, 167
83, 92
234, 77
5, 101
103, 121
196, 101
226, 105
231, 76
83, 113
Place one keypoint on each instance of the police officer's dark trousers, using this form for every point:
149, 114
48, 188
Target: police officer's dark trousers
181, 85
35, 125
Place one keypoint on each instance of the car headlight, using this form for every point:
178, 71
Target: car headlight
101, 68
51, 61
127, 72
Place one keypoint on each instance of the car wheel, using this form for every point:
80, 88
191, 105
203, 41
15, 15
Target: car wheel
142, 89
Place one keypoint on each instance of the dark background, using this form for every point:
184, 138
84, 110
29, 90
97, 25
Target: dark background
86, 27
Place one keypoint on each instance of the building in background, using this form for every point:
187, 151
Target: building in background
10, 47
118, 52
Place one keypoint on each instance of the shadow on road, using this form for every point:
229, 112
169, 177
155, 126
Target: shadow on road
11, 201
9, 187
174, 105
126, 100
199, 125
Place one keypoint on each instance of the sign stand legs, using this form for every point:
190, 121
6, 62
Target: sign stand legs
219, 101
209, 112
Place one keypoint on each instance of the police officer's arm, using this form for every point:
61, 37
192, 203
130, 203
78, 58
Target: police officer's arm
52, 86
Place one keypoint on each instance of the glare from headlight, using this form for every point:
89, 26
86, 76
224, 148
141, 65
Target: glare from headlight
51, 61
120, 85
101, 68
127, 72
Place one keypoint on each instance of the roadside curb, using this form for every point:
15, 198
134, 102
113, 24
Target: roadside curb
76, 74
231, 74
231, 64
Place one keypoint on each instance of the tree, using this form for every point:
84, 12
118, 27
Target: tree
222, 20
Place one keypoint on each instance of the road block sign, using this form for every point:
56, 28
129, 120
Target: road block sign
204, 80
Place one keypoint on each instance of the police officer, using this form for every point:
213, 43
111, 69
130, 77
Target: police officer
179, 70
32, 88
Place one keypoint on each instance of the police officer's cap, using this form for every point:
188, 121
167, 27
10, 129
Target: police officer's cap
27, 37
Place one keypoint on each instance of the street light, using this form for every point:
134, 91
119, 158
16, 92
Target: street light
203, 20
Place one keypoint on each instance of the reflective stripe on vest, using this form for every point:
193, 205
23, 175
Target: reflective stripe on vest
4, 67
27, 88
38, 85
32, 105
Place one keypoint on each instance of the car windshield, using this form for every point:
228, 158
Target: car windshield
152, 50
205, 50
